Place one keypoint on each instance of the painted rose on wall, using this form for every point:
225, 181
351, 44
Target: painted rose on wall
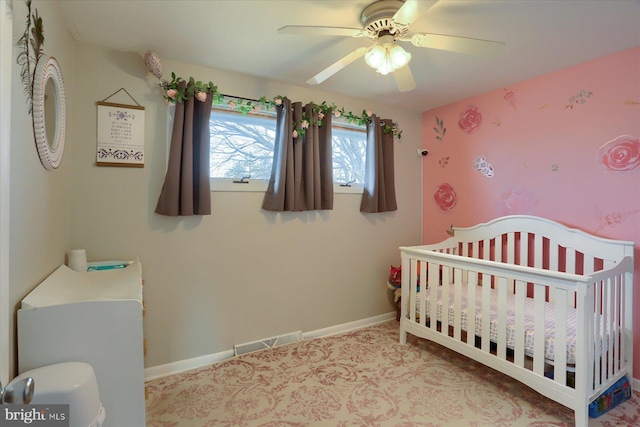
620, 155
517, 202
470, 120
612, 219
445, 197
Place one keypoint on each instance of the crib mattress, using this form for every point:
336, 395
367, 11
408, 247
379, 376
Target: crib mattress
549, 321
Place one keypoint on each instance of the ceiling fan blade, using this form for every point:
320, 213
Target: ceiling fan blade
412, 10
337, 66
404, 79
321, 31
458, 44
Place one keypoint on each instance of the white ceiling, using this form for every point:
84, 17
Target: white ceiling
541, 36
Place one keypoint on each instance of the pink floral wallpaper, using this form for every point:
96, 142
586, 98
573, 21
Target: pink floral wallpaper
564, 146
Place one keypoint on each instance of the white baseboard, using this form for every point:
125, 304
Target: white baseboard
172, 368
160, 371
348, 327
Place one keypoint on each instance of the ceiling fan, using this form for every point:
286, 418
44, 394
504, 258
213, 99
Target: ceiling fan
387, 22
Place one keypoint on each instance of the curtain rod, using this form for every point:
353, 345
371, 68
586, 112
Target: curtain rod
165, 86
239, 97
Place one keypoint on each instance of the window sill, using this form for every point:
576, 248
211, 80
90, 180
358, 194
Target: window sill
260, 186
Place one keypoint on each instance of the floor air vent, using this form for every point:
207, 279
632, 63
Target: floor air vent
250, 347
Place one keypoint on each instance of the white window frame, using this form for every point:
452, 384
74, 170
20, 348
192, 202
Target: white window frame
260, 185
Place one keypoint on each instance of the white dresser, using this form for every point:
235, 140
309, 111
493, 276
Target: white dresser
93, 317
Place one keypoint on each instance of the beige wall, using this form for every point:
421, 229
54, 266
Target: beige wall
40, 203
240, 274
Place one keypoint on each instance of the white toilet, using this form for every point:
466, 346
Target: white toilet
72, 383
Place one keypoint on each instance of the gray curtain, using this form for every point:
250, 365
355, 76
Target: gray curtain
302, 173
379, 193
186, 190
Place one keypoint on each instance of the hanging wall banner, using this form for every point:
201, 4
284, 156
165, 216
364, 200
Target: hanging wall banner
120, 135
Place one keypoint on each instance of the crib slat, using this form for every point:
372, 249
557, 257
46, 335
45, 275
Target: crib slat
570, 267
457, 305
475, 250
424, 284
560, 339
465, 253
434, 280
446, 282
570, 256
617, 321
596, 332
486, 249
524, 249
538, 328
619, 337
518, 352
537, 257
553, 265
486, 313
502, 318
553, 255
486, 298
607, 335
511, 248
589, 266
511, 257
471, 307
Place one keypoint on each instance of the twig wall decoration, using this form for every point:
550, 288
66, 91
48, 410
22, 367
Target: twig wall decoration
30, 44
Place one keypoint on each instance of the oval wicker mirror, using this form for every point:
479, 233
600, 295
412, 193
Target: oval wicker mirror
49, 112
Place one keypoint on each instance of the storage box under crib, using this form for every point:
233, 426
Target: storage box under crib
615, 395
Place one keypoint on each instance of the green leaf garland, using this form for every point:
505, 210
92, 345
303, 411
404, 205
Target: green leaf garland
175, 93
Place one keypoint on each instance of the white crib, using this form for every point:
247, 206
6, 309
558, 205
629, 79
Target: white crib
494, 288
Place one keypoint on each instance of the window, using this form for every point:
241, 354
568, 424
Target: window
242, 146
349, 144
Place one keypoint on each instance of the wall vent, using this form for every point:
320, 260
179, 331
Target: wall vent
265, 343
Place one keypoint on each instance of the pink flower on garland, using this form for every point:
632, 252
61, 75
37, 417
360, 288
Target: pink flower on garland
171, 93
620, 155
445, 197
201, 96
470, 120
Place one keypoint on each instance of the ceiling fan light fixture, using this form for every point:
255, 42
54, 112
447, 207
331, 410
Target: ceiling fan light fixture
399, 56
385, 58
375, 57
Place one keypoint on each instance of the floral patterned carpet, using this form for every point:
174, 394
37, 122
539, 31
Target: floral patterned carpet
360, 378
